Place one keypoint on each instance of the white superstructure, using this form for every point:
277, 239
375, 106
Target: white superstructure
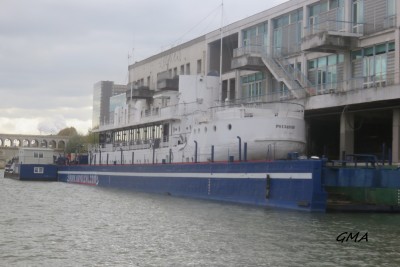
188, 124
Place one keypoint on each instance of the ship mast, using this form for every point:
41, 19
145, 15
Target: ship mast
220, 56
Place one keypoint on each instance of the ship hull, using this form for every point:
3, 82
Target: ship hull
284, 184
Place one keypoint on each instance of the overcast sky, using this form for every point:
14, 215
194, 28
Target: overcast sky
53, 51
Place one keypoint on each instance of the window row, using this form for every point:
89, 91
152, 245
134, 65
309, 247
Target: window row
198, 130
371, 66
288, 29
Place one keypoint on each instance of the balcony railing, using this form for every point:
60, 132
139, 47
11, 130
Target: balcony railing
248, 50
386, 23
358, 83
335, 27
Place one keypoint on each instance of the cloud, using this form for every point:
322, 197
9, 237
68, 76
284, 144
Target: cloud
52, 126
18, 126
53, 52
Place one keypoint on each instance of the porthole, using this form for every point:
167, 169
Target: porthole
215, 128
229, 126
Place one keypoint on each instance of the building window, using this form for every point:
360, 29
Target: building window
284, 92
334, 4
358, 16
38, 170
38, 155
256, 35
390, 20
288, 33
391, 7
188, 69
373, 64
253, 87
199, 66
323, 72
317, 18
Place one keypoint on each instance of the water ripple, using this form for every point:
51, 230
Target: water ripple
58, 224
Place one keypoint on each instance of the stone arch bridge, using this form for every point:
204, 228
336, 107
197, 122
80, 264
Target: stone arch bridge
9, 144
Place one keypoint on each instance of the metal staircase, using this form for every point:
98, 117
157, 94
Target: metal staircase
294, 79
297, 83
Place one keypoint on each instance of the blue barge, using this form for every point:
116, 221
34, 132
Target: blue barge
306, 185
293, 184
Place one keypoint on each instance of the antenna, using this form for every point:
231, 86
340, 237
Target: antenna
221, 37
131, 56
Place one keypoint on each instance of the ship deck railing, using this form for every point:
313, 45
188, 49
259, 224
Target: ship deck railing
134, 145
356, 160
274, 106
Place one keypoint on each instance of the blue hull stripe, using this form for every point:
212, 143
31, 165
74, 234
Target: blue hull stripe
196, 175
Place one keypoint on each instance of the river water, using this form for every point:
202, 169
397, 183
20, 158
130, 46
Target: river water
59, 224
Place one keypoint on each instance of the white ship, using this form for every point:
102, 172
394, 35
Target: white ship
190, 125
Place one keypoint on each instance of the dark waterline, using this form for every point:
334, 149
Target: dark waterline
58, 224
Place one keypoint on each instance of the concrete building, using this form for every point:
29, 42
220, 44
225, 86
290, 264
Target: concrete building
338, 58
102, 92
118, 109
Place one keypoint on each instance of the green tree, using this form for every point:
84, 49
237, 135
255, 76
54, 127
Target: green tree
92, 137
69, 131
77, 144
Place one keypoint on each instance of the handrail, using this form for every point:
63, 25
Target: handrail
356, 29
332, 26
305, 82
284, 71
289, 77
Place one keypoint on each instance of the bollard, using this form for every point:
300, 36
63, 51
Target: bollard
245, 151
195, 151
240, 148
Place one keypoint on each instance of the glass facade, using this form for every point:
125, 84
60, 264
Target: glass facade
102, 92
288, 33
391, 8
117, 101
97, 104
358, 16
321, 14
253, 87
323, 72
256, 35
374, 62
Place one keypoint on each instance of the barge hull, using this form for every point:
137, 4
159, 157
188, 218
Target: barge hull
283, 184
